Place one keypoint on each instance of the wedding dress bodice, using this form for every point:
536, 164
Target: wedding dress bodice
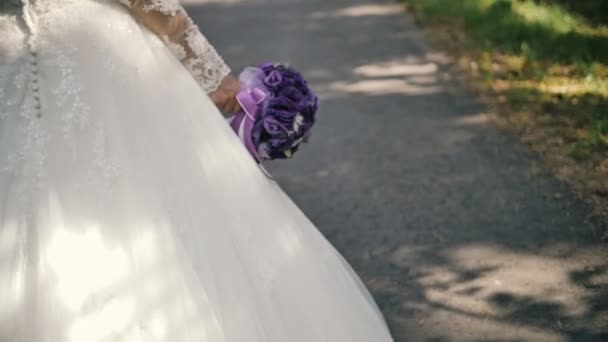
53, 52
169, 20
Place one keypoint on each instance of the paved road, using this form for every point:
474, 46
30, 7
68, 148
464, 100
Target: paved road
457, 230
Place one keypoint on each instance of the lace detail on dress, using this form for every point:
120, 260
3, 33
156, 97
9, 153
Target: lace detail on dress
168, 7
48, 112
176, 49
205, 63
183, 38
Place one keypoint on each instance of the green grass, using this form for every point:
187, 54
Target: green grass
548, 57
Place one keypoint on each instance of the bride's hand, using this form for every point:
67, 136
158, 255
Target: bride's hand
225, 96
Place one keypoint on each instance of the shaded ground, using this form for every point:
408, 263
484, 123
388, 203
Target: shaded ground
542, 68
594, 10
457, 230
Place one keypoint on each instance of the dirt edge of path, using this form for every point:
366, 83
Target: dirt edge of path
588, 178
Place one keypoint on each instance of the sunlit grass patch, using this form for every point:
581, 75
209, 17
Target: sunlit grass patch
540, 55
554, 18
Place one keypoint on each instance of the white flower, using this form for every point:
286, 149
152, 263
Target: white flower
297, 122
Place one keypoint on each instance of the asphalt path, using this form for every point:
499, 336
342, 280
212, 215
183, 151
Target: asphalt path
457, 229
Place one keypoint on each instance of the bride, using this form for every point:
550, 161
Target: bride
129, 211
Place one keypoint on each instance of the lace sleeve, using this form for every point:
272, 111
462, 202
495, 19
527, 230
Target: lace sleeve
169, 20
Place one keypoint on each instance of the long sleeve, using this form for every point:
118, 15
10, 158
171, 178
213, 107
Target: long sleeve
169, 20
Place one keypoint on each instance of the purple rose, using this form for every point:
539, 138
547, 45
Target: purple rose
274, 127
267, 67
273, 80
281, 103
293, 78
310, 109
284, 117
295, 96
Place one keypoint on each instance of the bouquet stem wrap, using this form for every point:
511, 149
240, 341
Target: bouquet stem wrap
251, 98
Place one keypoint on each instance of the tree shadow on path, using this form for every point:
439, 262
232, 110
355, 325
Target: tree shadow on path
456, 228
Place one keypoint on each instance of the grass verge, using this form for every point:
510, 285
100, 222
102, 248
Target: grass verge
543, 64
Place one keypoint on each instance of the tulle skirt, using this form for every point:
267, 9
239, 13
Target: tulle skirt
129, 211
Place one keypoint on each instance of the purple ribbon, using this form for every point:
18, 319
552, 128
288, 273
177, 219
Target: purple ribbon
251, 98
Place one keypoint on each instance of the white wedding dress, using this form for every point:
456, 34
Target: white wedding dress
129, 211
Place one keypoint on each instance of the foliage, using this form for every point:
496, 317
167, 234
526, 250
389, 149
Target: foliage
548, 57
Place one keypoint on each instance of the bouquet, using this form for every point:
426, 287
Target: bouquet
278, 111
